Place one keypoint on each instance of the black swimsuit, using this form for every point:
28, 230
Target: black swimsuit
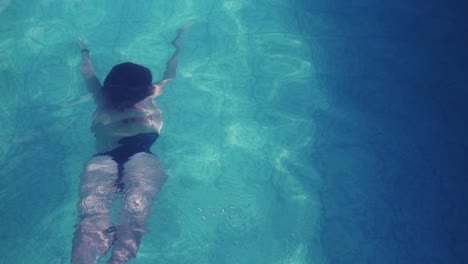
129, 146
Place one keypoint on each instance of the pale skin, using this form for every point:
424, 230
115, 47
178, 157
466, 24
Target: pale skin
142, 177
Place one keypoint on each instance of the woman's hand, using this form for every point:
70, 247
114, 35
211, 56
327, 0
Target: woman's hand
86, 67
82, 44
180, 31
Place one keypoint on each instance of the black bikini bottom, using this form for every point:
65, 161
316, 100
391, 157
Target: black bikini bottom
130, 146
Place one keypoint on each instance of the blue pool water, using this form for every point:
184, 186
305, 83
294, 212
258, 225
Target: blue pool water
296, 131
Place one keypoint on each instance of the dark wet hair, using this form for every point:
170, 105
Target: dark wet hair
127, 84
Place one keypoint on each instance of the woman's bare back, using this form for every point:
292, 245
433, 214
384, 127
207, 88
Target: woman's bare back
110, 126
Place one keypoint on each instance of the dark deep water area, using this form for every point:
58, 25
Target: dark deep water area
393, 154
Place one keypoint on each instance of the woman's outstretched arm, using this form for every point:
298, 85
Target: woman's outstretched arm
171, 66
87, 71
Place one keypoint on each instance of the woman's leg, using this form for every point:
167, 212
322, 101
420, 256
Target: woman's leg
143, 177
94, 234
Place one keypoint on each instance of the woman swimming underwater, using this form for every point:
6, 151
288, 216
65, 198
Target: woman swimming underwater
126, 123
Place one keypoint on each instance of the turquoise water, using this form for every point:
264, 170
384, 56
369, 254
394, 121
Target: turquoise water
295, 132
